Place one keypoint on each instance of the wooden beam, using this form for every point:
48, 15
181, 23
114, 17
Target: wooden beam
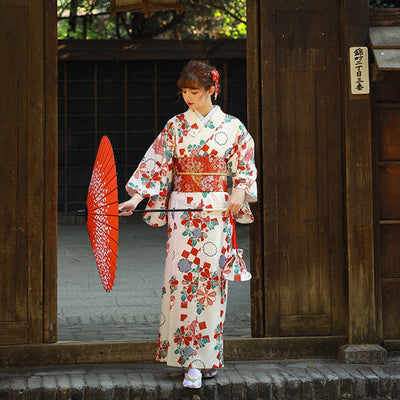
391, 345
150, 49
297, 325
51, 174
384, 17
15, 3
254, 127
359, 204
235, 349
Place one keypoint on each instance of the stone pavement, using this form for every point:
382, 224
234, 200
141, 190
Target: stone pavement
131, 310
311, 379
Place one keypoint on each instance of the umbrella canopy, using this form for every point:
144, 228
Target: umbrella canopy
102, 213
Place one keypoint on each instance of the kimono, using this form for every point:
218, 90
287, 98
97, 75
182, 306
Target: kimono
188, 166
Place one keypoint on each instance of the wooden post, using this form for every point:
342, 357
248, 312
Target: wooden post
254, 126
359, 207
35, 130
51, 174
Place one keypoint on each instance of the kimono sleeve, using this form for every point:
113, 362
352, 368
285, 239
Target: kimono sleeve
154, 175
242, 165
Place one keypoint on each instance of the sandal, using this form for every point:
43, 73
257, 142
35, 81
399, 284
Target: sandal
192, 382
209, 373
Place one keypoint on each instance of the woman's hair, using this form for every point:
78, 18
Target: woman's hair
197, 74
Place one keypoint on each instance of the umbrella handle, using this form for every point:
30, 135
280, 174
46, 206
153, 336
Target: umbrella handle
84, 213
181, 210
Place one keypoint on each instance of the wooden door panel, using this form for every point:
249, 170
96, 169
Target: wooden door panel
13, 149
303, 189
26, 201
304, 325
389, 254
389, 192
14, 332
391, 309
387, 214
388, 122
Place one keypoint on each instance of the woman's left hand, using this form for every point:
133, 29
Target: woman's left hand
235, 201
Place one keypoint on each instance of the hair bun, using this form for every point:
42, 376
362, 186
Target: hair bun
199, 74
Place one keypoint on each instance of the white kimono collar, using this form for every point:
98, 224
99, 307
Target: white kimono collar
216, 115
205, 118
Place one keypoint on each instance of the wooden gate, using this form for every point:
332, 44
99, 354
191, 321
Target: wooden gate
304, 254
28, 159
386, 132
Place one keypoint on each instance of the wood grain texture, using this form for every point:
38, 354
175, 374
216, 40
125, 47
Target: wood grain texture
386, 107
21, 278
150, 49
392, 345
377, 230
13, 146
386, 162
15, 3
389, 192
9, 161
389, 251
16, 331
390, 310
254, 127
51, 174
388, 89
359, 210
270, 171
303, 177
384, 16
235, 349
336, 237
300, 325
388, 126
35, 170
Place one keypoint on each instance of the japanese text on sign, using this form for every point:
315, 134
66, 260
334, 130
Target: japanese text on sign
359, 73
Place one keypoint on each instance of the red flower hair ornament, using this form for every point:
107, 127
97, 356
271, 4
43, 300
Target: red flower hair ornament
215, 76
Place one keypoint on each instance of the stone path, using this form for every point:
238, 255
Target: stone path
311, 379
131, 310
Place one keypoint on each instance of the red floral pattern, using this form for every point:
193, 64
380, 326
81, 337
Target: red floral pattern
200, 183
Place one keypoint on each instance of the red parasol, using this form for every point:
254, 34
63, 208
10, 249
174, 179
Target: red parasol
103, 215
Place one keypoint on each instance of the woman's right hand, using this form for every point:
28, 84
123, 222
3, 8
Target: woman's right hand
128, 206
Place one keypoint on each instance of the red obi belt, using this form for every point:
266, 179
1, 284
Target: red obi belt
200, 174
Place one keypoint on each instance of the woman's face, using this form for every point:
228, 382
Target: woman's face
197, 98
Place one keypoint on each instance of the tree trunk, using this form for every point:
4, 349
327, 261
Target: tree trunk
73, 20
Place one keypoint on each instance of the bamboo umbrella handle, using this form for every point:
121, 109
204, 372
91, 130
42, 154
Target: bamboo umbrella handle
181, 210
84, 213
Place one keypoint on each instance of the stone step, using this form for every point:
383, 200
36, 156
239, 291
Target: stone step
276, 380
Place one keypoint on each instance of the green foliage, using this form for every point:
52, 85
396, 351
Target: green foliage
209, 19
202, 20
383, 4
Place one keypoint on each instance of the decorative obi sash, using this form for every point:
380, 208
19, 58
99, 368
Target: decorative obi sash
200, 174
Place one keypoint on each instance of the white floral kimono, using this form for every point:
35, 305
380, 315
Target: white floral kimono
188, 166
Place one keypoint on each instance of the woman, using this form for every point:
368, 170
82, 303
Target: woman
188, 166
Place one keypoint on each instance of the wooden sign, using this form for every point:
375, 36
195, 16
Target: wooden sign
359, 72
